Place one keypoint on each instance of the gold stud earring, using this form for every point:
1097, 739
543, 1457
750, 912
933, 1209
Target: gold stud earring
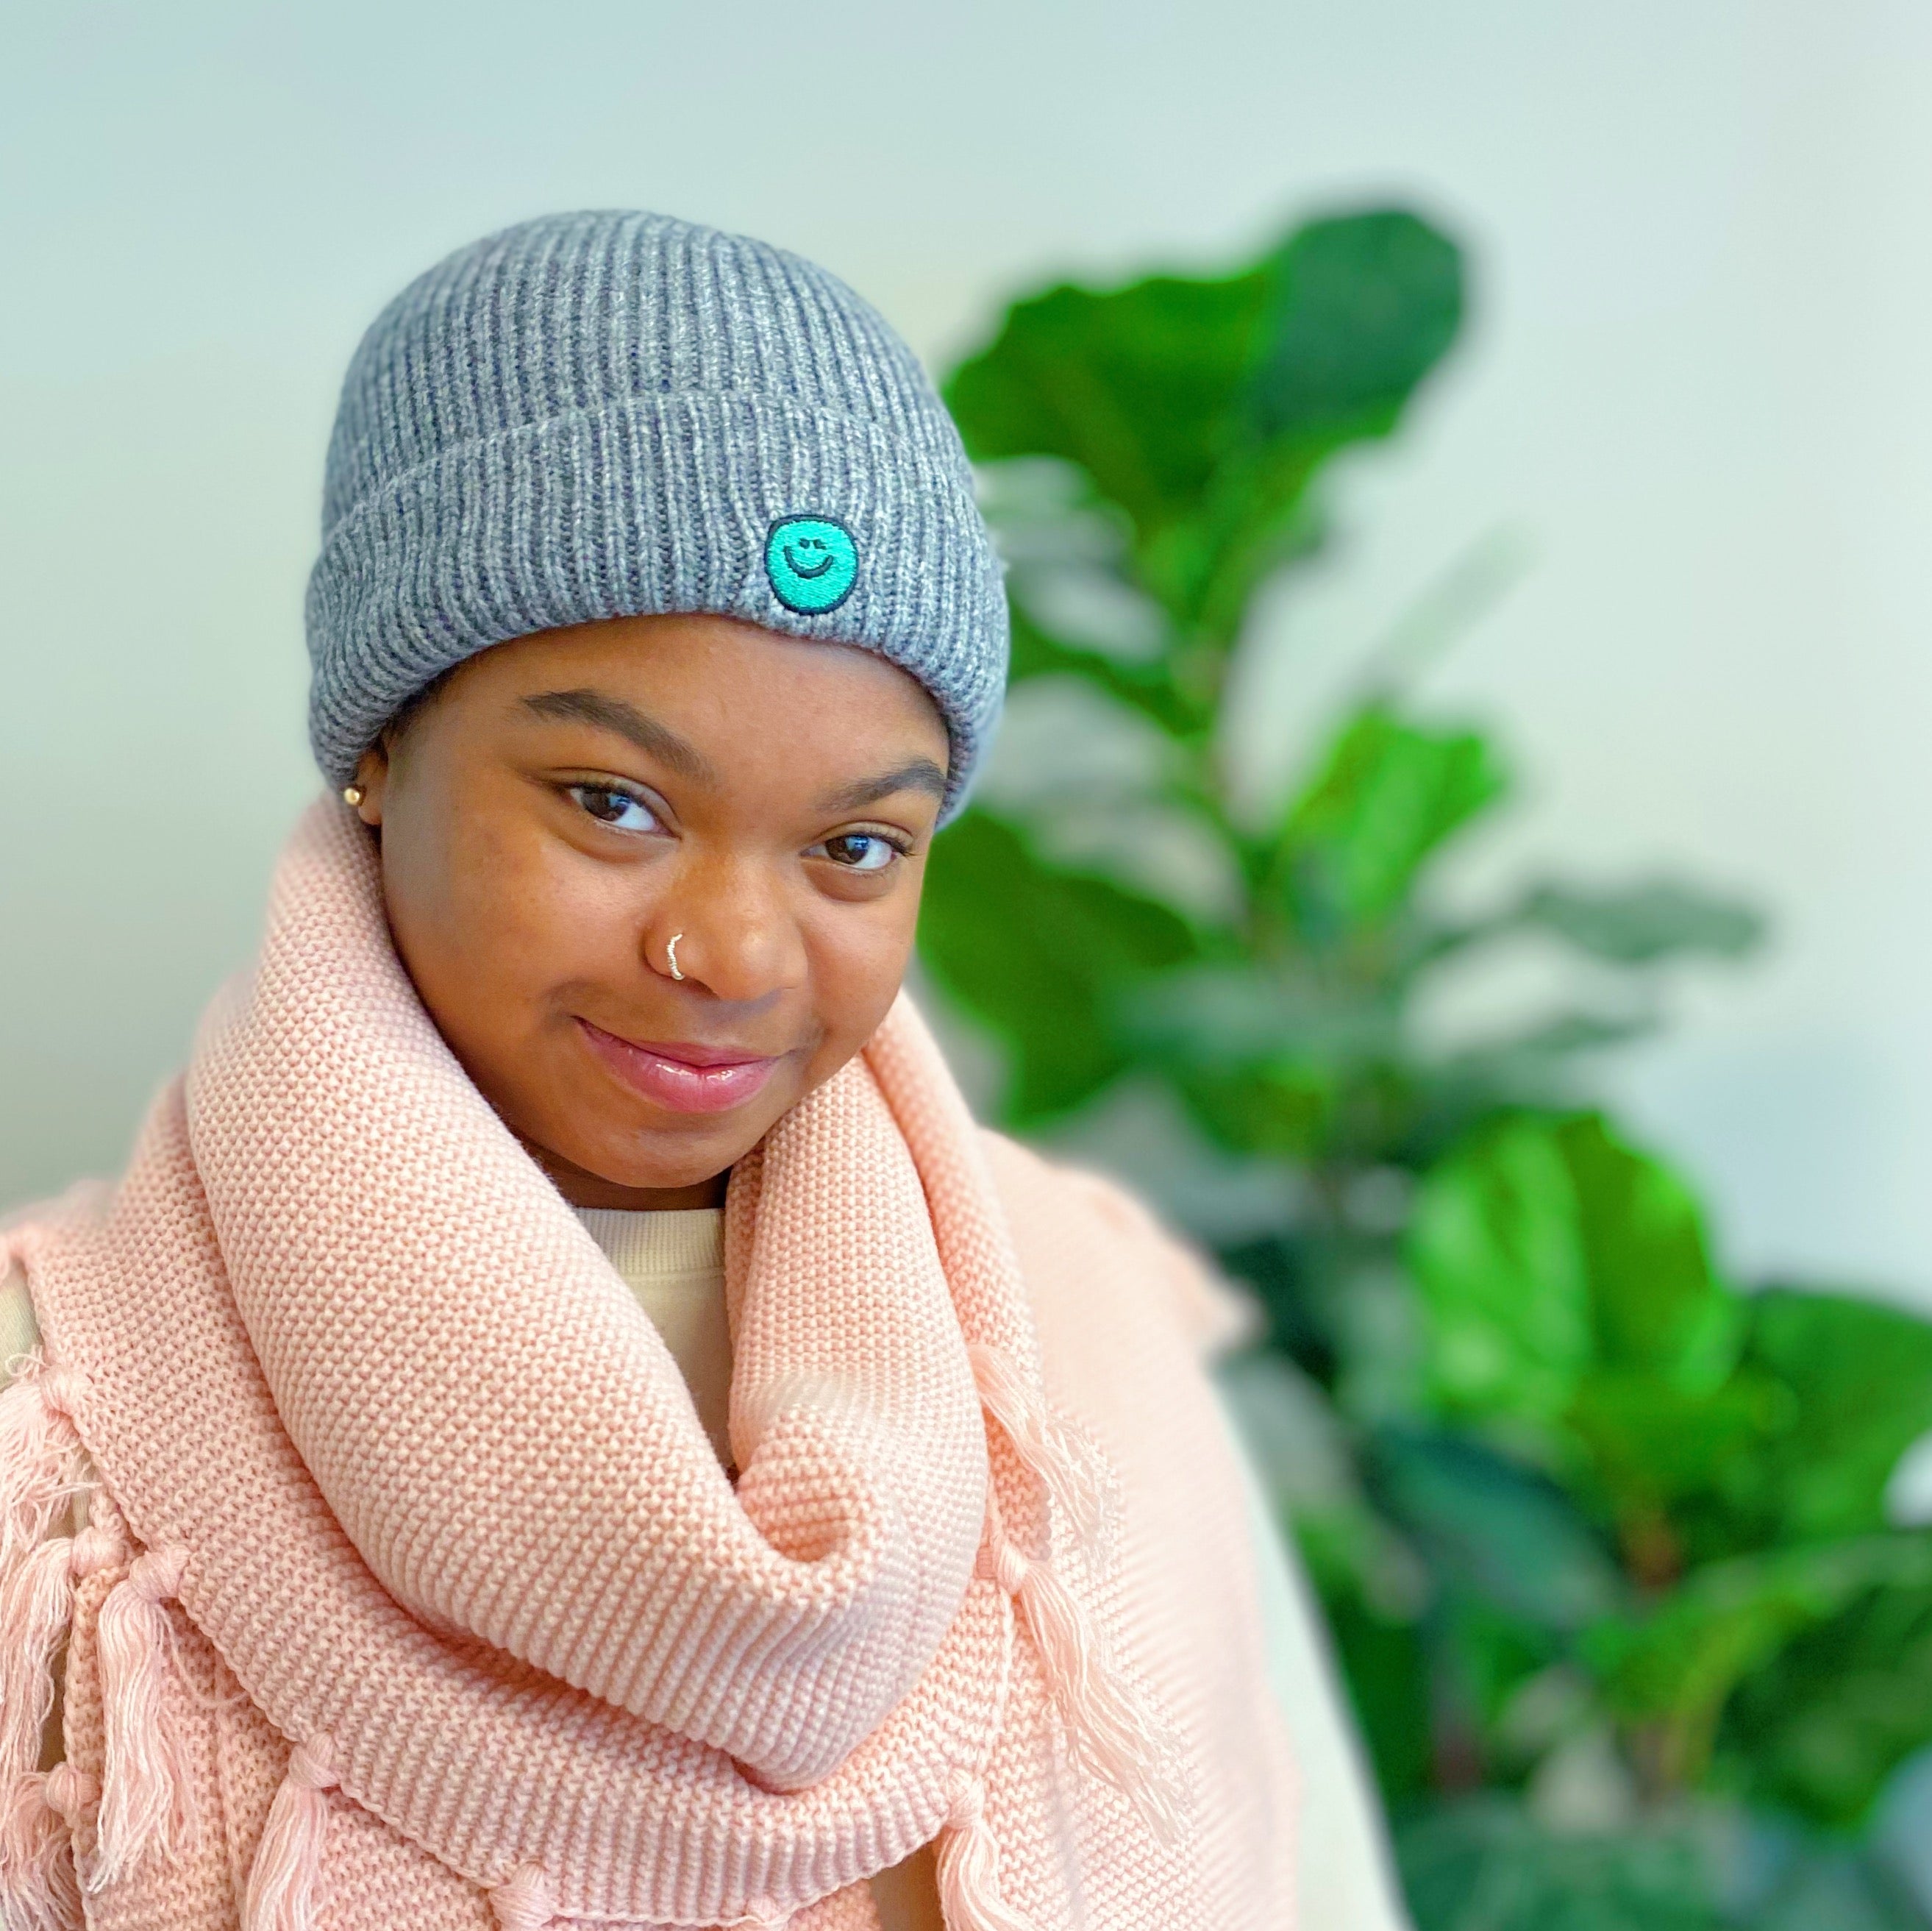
352, 796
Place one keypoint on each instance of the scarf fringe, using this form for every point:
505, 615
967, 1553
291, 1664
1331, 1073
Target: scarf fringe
40, 1456
524, 1901
38, 1889
1066, 1465
1108, 1725
145, 1802
1109, 1728
41, 1471
283, 1879
36, 1609
968, 1866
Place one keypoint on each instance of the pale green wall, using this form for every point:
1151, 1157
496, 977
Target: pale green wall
1700, 391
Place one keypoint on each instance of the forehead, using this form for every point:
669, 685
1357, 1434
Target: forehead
718, 676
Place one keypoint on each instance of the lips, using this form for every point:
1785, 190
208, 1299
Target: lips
686, 1079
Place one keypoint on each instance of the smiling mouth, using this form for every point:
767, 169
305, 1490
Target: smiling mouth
808, 571
683, 1079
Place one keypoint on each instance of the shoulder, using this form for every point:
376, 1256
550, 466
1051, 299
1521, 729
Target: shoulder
1082, 1233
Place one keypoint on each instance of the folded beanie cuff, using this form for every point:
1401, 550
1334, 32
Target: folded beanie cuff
655, 505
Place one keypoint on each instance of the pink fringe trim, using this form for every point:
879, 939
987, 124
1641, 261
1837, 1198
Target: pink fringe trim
145, 1794
283, 1880
1066, 1466
38, 1889
968, 1864
524, 1901
72, 1792
41, 1471
36, 1607
40, 1459
1109, 1727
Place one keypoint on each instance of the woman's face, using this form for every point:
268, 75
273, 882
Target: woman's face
568, 806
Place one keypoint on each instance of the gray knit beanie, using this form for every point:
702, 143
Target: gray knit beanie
614, 414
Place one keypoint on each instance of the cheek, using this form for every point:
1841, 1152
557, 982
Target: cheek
858, 964
489, 921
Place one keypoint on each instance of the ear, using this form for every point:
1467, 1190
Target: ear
372, 778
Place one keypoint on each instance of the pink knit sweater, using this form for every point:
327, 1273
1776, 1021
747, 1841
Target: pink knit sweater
467, 1620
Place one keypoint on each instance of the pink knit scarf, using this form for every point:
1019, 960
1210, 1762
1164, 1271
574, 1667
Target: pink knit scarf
384, 1425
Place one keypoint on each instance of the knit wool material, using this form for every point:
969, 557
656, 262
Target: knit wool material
465, 1618
617, 414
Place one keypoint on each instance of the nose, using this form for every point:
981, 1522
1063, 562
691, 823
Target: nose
725, 925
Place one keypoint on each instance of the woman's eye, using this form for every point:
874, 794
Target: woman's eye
615, 808
860, 852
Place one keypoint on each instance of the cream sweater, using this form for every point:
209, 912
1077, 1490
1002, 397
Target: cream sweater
673, 1264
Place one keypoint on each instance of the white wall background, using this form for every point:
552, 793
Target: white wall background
1699, 389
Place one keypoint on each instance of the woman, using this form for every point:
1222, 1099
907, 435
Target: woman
565, 1420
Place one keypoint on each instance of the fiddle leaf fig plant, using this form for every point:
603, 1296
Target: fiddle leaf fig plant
1602, 1535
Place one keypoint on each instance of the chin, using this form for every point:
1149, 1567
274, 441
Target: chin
673, 1156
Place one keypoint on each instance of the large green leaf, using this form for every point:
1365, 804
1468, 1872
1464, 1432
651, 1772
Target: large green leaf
1858, 1382
1660, 1451
1505, 1282
1663, 918
1821, 1727
1203, 407
1140, 385
1361, 308
1678, 1663
1387, 797
1659, 1309
1495, 1531
1570, 1302
1040, 957
1282, 1108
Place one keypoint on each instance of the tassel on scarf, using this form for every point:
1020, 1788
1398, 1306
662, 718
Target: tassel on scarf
968, 1866
40, 1474
144, 1791
282, 1880
524, 1901
1107, 1725
1065, 1467
40, 1456
36, 1607
72, 1793
38, 1889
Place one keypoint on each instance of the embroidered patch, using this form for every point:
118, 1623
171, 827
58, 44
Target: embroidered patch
812, 562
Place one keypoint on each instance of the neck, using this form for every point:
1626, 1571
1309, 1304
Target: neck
583, 1189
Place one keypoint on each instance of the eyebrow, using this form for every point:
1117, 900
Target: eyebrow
915, 774
584, 706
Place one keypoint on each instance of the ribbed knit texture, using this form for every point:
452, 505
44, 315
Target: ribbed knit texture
603, 414
482, 1561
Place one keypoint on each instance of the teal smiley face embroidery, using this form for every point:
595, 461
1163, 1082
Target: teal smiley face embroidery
813, 564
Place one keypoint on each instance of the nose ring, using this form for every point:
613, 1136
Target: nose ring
670, 955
